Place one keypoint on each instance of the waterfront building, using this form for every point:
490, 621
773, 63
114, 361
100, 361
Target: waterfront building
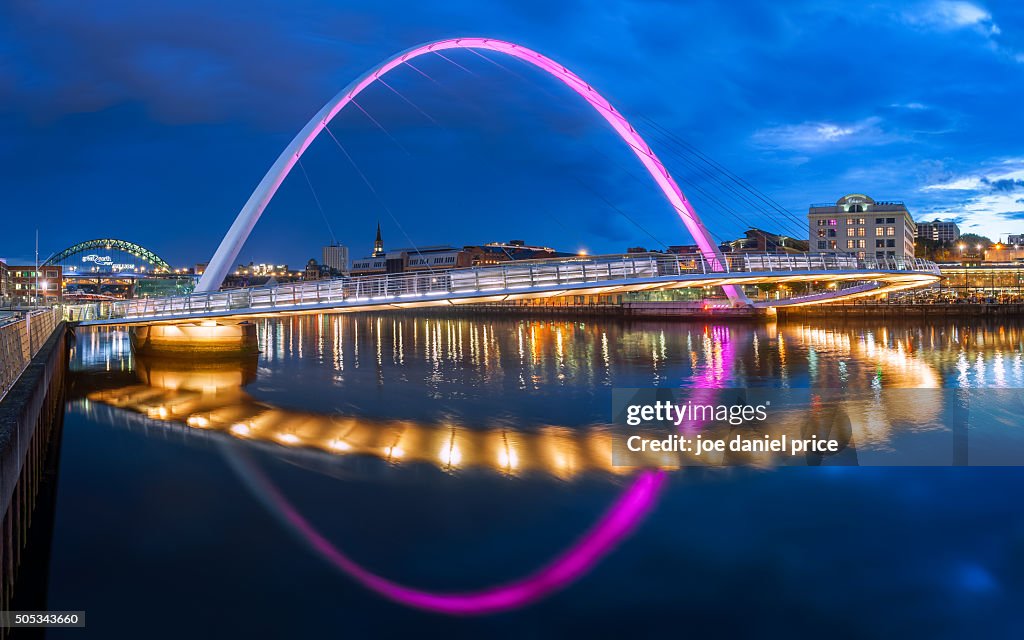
448, 257
23, 281
1016, 240
261, 269
1004, 253
756, 240
860, 225
335, 256
938, 231
5, 281
1002, 281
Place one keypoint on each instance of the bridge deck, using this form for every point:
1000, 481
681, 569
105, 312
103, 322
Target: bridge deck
512, 280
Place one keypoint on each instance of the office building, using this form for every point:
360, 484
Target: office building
938, 230
335, 256
859, 225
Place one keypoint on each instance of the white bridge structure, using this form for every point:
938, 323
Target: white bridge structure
514, 280
839, 276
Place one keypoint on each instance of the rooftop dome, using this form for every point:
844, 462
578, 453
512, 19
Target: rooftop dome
854, 198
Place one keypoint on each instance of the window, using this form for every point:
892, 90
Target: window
832, 244
890, 231
850, 221
857, 208
860, 244
861, 232
890, 221
879, 220
851, 232
850, 244
821, 222
879, 254
832, 222
821, 233
890, 243
879, 244
860, 221
879, 231
821, 245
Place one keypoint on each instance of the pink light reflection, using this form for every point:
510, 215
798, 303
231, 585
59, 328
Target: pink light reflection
622, 518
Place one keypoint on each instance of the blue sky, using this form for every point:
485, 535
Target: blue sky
154, 121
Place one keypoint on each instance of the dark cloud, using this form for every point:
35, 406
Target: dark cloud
1004, 184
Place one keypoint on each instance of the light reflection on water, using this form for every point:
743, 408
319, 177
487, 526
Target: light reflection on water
521, 397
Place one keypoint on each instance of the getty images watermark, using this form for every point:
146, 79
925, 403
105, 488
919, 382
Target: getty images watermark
786, 427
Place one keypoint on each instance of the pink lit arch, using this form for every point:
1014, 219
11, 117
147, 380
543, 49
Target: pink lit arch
236, 236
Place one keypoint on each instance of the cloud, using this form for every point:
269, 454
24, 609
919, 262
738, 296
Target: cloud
987, 199
1006, 176
951, 15
814, 136
956, 15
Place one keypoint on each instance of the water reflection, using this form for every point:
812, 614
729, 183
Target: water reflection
450, 362
522, 397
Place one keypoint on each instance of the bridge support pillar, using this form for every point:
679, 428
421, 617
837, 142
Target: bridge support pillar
208, 338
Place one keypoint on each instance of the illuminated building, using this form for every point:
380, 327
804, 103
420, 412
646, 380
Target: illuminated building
448, 257
1004, 253
759, 241
335, 256
5, 280
860, 225
378, 245
23, 283
938, 230
992, 280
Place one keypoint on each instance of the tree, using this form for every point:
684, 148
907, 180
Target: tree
972, 240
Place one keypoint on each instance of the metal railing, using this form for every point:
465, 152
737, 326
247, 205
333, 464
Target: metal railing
21, 337
506, 278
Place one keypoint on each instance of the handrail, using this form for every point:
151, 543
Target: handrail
20, 340
507, 277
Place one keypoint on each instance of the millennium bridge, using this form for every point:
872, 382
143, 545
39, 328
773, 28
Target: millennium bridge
522, 280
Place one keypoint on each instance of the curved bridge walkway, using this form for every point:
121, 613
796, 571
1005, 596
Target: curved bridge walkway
517, 281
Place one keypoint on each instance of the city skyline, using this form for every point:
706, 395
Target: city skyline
170, 144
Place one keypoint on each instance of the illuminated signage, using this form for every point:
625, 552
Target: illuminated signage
107, 261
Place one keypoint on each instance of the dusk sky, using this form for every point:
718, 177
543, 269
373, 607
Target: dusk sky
153, 121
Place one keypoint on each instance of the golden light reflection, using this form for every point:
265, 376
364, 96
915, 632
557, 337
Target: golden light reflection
211, 398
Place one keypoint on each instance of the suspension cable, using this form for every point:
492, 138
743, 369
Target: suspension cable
316, 198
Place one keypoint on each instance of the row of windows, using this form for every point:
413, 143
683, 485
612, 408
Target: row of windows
47, 273
879, 244
853, 221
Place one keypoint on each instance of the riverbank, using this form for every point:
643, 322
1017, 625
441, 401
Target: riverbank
31, 418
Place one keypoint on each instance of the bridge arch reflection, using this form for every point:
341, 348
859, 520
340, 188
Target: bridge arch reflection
211, 400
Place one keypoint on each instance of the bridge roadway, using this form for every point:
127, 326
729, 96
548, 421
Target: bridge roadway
519, 280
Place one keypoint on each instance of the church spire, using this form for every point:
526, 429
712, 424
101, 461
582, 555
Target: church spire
378, 244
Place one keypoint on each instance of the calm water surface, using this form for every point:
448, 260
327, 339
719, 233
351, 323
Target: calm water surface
272, 498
